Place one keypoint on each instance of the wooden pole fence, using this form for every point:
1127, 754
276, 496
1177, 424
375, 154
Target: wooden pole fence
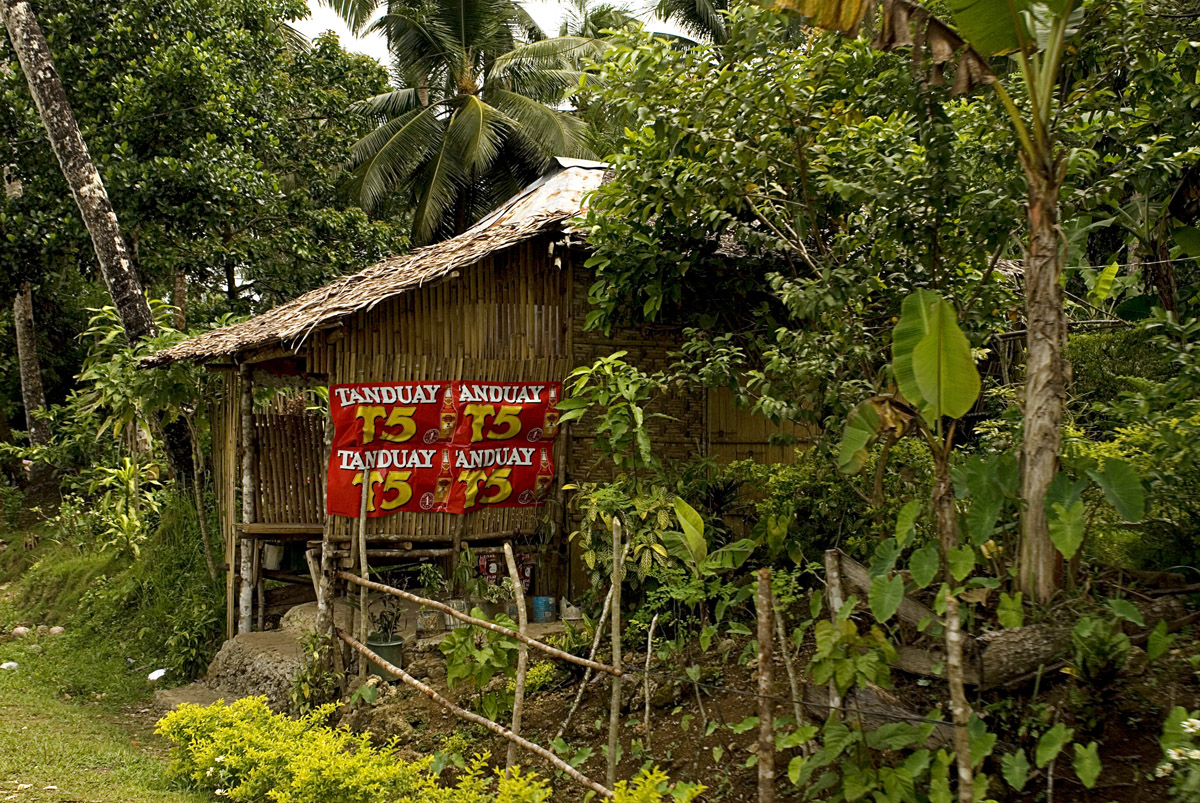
471, 620
614, 711
522, 652
470, 716
766, 703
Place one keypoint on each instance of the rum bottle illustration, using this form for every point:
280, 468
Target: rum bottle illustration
449, 416
441, 491
550, 425
541, 485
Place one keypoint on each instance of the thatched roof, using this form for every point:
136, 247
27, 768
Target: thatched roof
545, 205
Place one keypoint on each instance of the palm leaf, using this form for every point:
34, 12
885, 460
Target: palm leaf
354, 13
390, 154
439, 185
474, 135
550, 131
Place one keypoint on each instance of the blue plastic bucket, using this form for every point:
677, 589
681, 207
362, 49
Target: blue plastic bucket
544, 609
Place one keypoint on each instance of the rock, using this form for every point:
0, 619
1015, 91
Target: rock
428, 666
42, 630
384, 722
666, 695
1136, 663
257, 663
57, 631
10, 665
36, 648
301, 620
20, 631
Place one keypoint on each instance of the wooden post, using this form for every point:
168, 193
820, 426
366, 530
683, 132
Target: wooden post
793, 681
833, 597
363, 602
766, 705
614, 712
325, 581
522, 652
646, 679
959, 706
249, 497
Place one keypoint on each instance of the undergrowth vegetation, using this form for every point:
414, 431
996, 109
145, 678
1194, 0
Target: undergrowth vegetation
245, 752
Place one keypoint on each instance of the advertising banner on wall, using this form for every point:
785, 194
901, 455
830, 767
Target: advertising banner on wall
441, 447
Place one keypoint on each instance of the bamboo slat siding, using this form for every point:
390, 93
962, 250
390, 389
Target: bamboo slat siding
291, 468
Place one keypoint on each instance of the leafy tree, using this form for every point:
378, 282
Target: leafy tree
765, 196
590, 19
474, 113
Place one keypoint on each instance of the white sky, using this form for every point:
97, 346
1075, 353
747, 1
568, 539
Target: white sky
547, 13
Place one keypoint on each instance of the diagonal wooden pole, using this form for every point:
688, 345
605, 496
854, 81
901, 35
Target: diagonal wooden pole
522, 652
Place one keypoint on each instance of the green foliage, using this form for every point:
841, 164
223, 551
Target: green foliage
618, 394
475, 655
822, 507
1098, 650
245, 752
645, 512
539, 677
314, 686
804, 161
1181, 758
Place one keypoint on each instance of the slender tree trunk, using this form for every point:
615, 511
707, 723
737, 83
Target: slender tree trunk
942, 500
33, 397
959, 707
33, 53
179, 299
1039, 565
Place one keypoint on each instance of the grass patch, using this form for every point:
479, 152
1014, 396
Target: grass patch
80, 748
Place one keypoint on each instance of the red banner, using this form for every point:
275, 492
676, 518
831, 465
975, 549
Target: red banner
441, 447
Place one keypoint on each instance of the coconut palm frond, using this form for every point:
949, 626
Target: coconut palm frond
701, 18
392, 153
549, 131
440, 183
475, 132
293, 40
355, 13
389, 104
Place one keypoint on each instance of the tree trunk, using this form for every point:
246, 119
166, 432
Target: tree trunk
179, 300
1039, 565
33, 53
942, 500
33, 396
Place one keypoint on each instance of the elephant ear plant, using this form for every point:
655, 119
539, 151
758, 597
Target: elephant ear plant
936, 384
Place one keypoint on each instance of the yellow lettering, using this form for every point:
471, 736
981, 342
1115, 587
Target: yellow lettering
478, 413
369, 416
508, 416
400, 417
392, 481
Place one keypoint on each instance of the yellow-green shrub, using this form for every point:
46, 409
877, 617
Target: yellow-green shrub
246, 752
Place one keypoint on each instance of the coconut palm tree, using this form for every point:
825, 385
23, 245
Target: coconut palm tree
475, 113
591, 19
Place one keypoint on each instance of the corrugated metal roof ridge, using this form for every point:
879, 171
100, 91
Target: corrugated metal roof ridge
295, 320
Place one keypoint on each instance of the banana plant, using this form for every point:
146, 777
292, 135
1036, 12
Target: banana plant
936, 384
690, 547
1034, 34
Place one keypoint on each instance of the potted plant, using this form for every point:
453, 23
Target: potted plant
385, 639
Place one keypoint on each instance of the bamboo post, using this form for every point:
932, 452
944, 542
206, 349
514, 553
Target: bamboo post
833, 596
363, 604
587, 675
522, 652
959, 706
766, 706
793, 682
325, 588
470, 716
649, 653
249, 494
614, 711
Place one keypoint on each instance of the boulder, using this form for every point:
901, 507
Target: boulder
301, 620
257, 664
20, 631
385, 722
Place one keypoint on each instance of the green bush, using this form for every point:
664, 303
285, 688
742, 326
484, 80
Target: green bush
825, 508
245, 752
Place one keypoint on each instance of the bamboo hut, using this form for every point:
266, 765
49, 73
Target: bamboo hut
503, 302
